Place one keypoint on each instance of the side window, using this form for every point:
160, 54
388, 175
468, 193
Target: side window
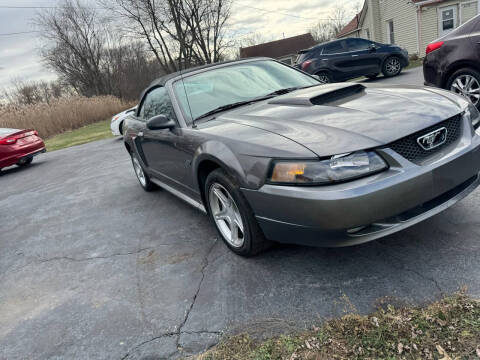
334, 48
156, 103
358, 44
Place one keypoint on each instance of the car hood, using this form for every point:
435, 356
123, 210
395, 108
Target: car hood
339, 118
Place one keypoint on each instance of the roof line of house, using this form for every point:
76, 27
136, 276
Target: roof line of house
426, 2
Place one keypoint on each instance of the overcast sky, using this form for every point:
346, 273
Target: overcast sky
274, 19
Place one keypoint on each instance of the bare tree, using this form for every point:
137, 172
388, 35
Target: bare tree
76, 41
31, 92
179, 33
91, 58
326, 30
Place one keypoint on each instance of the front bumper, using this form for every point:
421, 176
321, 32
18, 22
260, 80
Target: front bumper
369, 208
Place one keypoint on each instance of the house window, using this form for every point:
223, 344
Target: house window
390, 32
447, 19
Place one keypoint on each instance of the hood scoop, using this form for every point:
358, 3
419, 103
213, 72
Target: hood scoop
320, 95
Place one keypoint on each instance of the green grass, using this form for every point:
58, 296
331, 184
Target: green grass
448, 329
83, 135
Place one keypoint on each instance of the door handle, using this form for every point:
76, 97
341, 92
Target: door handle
355, 55
325, 59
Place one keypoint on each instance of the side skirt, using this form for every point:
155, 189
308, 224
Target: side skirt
182, 196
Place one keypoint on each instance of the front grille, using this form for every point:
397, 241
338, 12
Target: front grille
409, 148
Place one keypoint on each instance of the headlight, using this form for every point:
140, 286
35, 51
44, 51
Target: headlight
472, 115
336, 169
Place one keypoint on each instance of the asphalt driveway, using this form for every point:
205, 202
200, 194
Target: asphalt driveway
412, 76
93, 267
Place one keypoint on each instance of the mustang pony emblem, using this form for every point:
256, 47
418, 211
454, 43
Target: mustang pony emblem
433, 139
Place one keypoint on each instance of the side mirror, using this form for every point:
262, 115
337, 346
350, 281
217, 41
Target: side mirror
316, 77
372, 48
160, 122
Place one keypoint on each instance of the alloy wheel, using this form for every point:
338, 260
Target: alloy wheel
139, 171
226, 215
393, 66
467, 86
323, 79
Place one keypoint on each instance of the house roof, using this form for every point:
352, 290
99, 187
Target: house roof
354, 24
279, 48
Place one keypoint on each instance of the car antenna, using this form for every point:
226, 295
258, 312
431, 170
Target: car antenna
186, 95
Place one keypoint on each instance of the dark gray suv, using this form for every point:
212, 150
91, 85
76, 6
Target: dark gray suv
453, 61
346, 59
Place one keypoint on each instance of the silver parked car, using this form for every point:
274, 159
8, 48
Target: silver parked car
272, 155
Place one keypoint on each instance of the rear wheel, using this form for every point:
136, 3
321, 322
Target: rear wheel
142, 176
232, 216
392, 66
25, 161
324, 77
466, 82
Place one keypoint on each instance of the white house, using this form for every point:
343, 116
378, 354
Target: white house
412, 24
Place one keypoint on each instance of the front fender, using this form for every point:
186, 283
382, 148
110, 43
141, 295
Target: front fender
223, 156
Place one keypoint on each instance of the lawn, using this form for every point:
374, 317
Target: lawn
447, 330
97, 131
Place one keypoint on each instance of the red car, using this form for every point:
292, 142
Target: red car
19, 147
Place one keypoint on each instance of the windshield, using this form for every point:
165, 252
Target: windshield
236, 83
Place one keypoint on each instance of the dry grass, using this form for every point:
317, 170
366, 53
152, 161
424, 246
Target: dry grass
61, 115
447, 330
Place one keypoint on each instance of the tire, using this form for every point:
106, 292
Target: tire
392, 66
460, 78
372, 76
142, 176
25, 162
235, 211
120, 128
324, 77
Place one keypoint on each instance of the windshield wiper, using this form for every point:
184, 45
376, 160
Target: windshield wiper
223, 108
288, 90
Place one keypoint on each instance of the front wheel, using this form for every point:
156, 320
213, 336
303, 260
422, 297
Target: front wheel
466, 82
142, 176
232, 216
392, 66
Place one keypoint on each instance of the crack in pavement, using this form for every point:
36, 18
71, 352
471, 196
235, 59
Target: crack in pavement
69, 258
93, 257
402, 266
168, 335
202, 270
179, 332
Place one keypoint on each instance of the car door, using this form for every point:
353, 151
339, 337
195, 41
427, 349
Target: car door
161, 148
336, 58
364, 57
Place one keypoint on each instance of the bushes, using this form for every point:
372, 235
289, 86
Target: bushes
62, 114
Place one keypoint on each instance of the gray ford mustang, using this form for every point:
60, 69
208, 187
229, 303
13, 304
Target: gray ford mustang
271, 155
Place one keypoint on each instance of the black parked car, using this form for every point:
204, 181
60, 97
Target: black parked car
345, 59
453, 61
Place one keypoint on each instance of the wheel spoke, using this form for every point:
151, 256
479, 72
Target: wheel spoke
221, 197
222, 215
234, 233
